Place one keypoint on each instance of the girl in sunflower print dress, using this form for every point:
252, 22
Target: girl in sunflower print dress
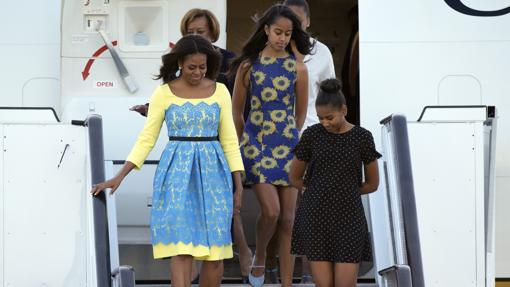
272, 73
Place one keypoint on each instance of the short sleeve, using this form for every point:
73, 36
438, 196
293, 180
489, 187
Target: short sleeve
303, 150
368, 151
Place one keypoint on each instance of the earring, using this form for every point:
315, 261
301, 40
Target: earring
178, 72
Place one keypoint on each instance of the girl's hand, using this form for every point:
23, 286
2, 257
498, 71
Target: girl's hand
299, 57
112, 183
238, 200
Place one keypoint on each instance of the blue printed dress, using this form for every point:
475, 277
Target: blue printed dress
192, 203
270, 131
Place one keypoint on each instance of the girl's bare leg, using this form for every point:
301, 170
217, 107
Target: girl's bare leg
240, 241
323, 273
269, 202
346, 274
288, 199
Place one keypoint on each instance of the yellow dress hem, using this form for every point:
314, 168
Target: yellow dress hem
199, 252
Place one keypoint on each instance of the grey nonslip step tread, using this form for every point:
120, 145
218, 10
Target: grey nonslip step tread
268, 285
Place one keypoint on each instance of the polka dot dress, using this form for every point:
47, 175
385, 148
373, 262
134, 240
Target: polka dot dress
330, 223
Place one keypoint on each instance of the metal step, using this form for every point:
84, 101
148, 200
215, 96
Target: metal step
275, 285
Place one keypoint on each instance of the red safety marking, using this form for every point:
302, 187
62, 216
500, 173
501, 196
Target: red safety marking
85, 72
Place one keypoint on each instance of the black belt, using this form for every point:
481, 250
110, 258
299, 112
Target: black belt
193, 139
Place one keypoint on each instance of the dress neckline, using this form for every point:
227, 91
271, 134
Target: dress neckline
192, 99
339, 134
271, 57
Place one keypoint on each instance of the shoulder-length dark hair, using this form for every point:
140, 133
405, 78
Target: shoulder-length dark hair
212, 22
189, 45
257, 41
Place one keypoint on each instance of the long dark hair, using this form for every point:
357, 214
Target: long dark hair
189, 45
257, 41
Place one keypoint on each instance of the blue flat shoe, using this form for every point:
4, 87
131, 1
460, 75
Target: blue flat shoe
256, 281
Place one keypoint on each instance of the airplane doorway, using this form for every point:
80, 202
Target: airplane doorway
330, 24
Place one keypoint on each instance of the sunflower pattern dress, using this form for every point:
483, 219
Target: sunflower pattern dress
192, 202
270, 131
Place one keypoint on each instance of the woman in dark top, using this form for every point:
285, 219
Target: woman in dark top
203, 22
330, 226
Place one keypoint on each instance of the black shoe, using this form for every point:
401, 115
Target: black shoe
272, 276
197, 280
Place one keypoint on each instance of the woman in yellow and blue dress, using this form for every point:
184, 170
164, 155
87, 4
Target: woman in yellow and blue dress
277, 84
192, 204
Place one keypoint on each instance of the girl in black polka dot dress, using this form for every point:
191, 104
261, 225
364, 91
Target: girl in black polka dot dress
330, 226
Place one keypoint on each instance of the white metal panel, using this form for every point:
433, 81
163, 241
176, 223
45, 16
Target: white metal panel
17, 80
401, 20
444, 173
2, 207
404, 77
29, 50
30, 22
45, 205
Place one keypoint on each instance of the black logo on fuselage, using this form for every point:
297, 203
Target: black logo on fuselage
462, 8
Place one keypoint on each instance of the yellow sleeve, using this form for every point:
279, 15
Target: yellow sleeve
227, 131
149, 135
